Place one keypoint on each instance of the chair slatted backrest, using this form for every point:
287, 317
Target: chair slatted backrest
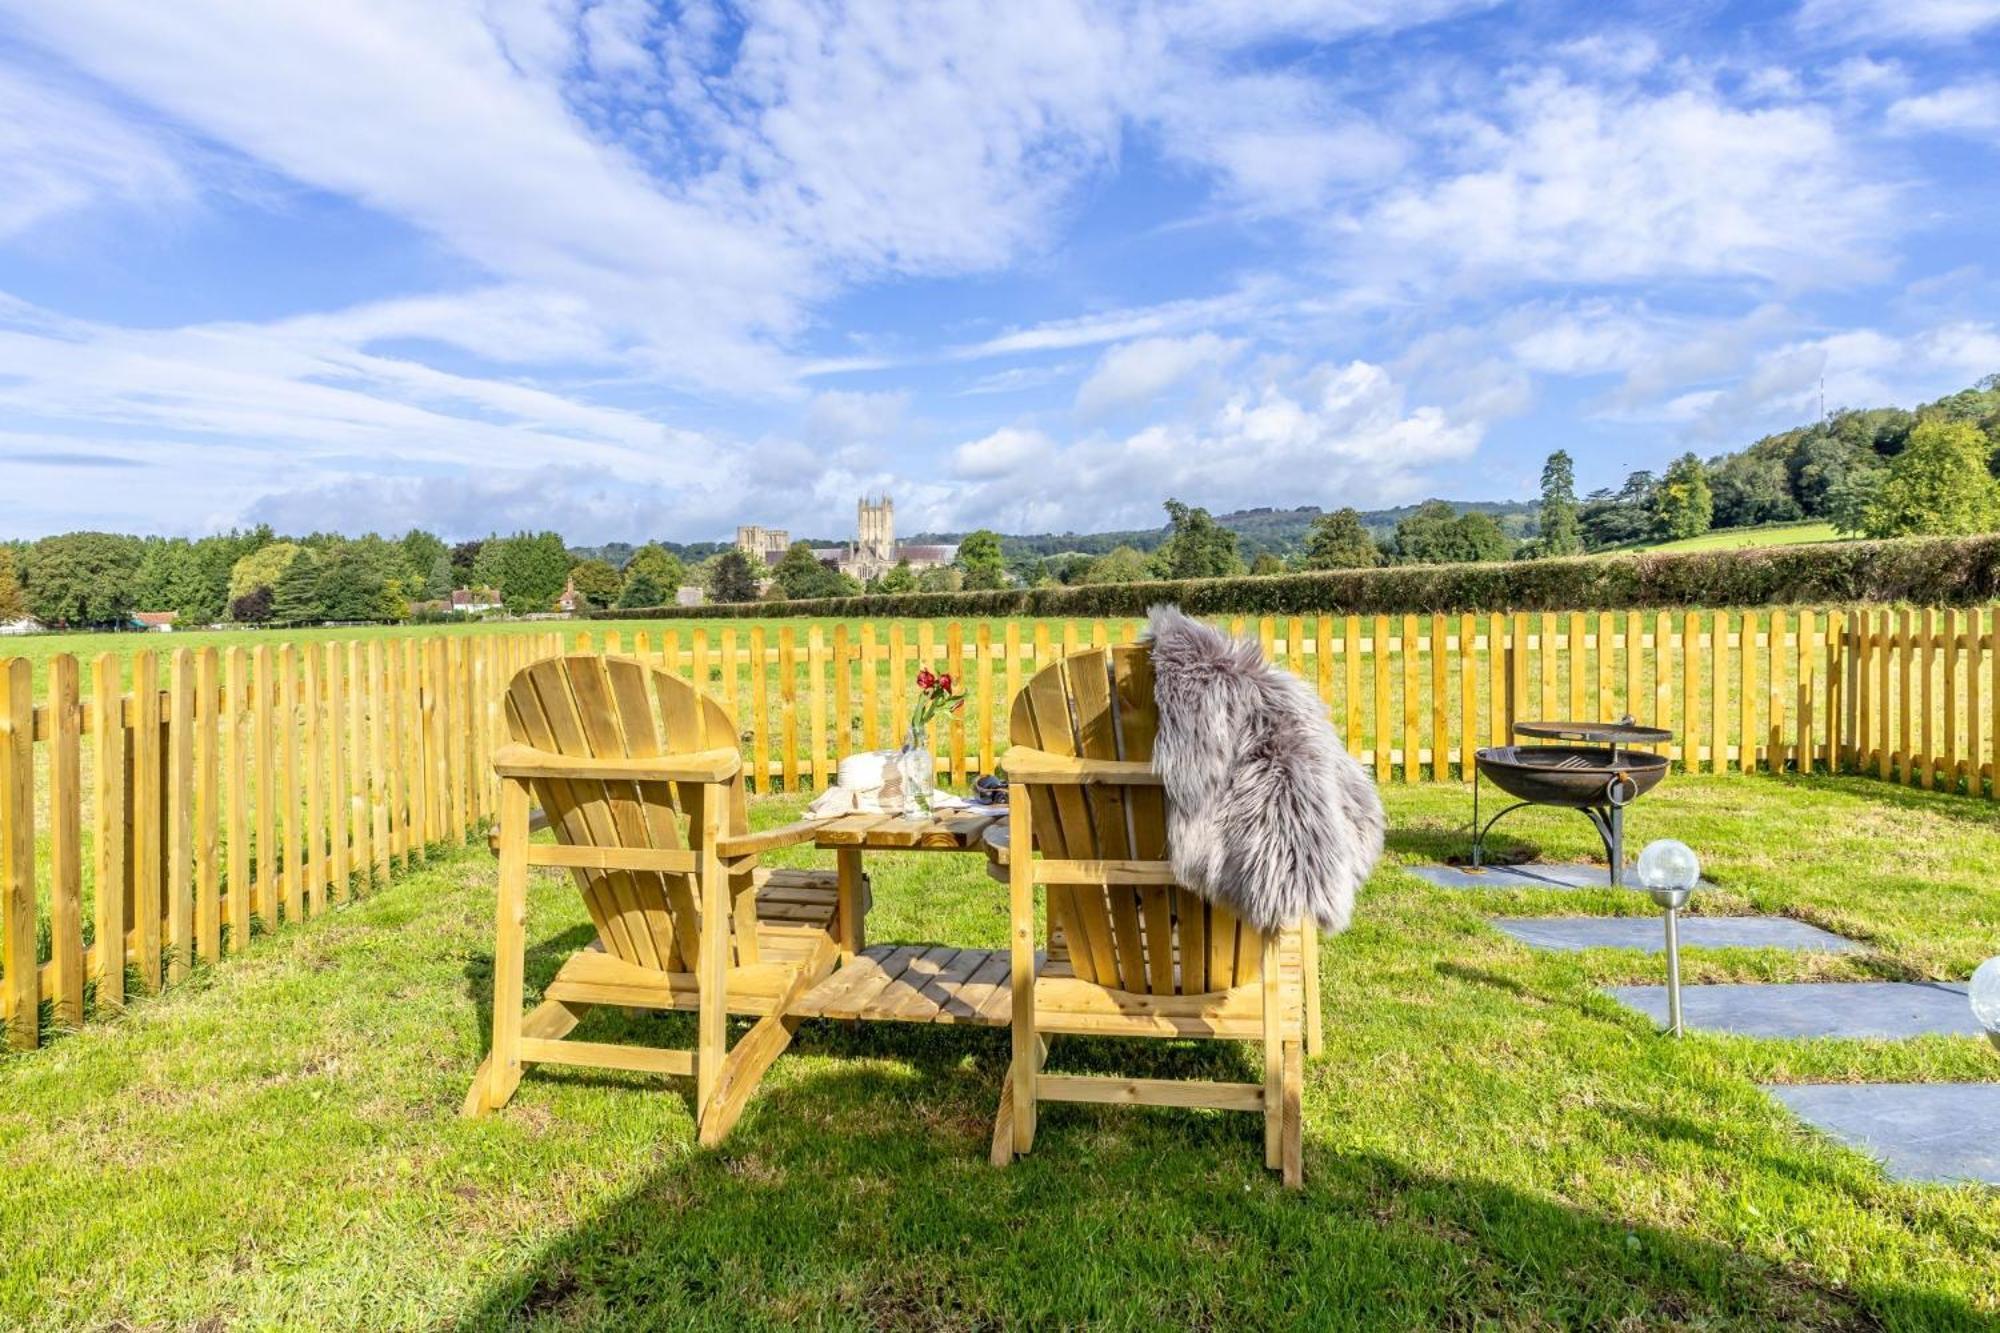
585, 706
1147, 939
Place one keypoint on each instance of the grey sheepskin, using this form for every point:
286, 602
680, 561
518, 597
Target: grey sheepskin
1267, 813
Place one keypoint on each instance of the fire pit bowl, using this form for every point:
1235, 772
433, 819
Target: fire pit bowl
1571, 777
1598, 779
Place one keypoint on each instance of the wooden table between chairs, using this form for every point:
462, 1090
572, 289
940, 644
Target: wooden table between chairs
912, 983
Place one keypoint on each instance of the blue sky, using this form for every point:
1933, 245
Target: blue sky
634, 271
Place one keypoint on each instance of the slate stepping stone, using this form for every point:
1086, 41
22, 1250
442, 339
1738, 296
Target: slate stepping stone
1648, 933
1813, 1009
1940, 1132
1535, 875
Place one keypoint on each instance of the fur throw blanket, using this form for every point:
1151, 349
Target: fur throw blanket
1267, 813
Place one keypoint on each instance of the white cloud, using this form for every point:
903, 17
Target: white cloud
838, 418
60, 153
1337, 434
1568, 182
1135, 372
1965, 108
1860, 368
1118, 325
1908, 20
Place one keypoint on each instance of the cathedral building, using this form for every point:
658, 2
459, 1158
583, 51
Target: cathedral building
873, 552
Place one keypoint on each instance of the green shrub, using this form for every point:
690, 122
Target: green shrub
1932, 571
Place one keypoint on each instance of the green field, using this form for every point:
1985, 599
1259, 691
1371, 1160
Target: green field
1489, 1142
1738, 539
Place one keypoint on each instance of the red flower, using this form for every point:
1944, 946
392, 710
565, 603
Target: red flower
925, 679
944, 683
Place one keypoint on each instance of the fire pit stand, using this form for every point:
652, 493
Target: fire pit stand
1595, 774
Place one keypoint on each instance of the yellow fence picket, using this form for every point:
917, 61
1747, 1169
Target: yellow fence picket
207, 807
22, 989
180, 815
148, 857
108, 824
65, 710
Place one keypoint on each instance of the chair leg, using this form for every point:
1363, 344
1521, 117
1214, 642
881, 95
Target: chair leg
551, 1020
1271, 993
1003, 1150
744, 1067
741, 1072
1292, 1131
1315, 1020
502, 1070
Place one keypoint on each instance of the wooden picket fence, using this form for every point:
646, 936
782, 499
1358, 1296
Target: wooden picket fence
256, 789
1899, 693
303, 773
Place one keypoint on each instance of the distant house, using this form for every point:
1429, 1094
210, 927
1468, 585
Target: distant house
155, 622
570, 598
689, 594
24, 625
473, 600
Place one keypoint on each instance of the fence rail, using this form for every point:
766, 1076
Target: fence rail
261, 785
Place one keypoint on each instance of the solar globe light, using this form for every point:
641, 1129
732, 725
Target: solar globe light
1985, 995
1669, 870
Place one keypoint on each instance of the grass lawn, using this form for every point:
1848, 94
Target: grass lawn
1767, 534
1488, 1141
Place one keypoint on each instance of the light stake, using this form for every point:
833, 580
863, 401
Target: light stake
1669, 870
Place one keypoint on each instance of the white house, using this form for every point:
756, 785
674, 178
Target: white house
24, 625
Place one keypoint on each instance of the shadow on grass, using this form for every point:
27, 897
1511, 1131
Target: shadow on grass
856, 1197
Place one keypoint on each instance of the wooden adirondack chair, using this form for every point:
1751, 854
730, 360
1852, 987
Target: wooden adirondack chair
1131, 953
640, 777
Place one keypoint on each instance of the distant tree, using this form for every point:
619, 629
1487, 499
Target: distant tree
173, 577
360, 580
1197, 547
13, 602
253, 607
261, 568
1266, 564
640, 591
1119, 565
438, 581
658, 564
1438, 534
1849, 500
530, 570
1682, 504
464, 557
420, 555
1752, 487
897, 580
1560, 534
734, 578
1339, 541
1618, 518
938, 578
801, 575
980, 557
597, 582
1941, 484
1818, 463
81, 578
295, 600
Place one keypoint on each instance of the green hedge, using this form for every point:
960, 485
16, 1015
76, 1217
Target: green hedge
1932, 571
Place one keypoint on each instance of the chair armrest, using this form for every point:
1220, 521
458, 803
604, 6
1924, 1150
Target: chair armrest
1026, 764
525, 761
768, 840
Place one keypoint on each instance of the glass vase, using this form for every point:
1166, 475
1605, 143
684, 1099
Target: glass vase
918, 770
